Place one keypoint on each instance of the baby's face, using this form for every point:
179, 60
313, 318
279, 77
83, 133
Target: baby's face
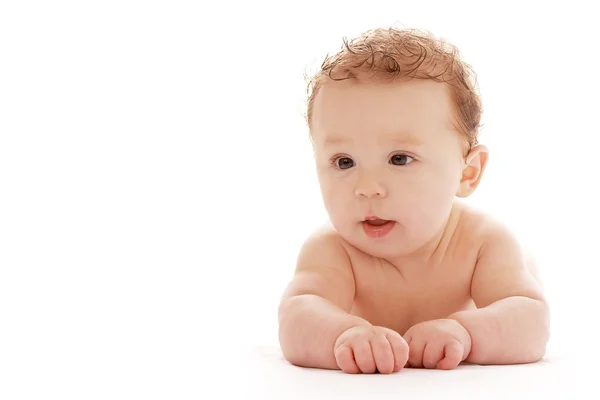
387, 150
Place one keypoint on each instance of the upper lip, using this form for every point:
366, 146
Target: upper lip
373, 218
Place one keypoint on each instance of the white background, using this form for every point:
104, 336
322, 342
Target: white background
156, 178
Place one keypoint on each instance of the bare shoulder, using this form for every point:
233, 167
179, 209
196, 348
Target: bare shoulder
500, 239
494, 235
475, 226
324, 242
503, 266
487, 229
323, 268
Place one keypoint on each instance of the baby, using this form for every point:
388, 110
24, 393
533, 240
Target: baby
405, 274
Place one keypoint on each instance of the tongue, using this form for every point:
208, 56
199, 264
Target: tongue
377, 222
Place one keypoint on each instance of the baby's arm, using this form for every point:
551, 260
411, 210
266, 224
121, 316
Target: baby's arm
511, 324
314, 308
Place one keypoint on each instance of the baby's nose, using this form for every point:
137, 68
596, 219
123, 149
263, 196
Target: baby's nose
370, 189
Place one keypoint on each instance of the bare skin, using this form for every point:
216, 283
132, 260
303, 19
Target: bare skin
445, 284
400, 298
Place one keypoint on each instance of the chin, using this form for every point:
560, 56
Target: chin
386, 247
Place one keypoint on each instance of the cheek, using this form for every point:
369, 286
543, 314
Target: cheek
428, 200
333, 197
340, 203
440, 183
422, 189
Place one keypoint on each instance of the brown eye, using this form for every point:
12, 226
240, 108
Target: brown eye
401, 159
344, 163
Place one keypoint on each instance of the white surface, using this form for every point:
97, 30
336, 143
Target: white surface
156, 183
554, 377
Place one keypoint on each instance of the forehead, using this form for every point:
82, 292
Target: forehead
415, 110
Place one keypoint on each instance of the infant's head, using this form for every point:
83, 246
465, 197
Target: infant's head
394, 118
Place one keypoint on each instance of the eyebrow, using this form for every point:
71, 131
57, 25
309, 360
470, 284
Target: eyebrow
406, 139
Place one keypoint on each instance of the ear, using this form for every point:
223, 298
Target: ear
473, 169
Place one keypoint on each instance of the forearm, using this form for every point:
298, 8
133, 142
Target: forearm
308, 328
513, 330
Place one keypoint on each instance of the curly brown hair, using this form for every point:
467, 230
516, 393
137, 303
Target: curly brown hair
406, 53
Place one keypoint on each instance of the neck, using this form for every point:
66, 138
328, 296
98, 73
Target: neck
432, 252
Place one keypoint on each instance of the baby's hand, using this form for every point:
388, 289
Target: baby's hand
368, 349
440, 343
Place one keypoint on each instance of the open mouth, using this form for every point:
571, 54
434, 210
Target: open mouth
377, 227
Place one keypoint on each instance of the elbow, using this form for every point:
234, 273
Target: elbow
519, 340
286, 343
541, 351
544, 329
539, 343
538, 354
294, 358
288, 331
535, 353
292, 348
287, 349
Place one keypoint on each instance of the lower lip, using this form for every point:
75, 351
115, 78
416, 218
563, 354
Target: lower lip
378, 231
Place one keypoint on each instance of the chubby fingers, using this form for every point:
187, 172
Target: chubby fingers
453, 355
383, 353
400, 350
415, 352
363, 355
433, 353
344, 356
